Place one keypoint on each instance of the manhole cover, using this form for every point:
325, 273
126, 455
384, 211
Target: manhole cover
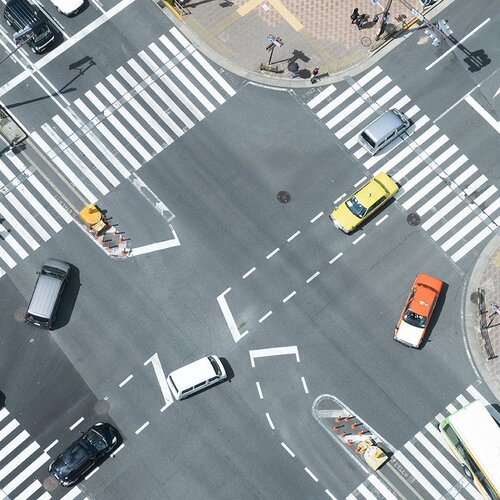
50, 483
476, 298
284, 197
365, 41
413, 219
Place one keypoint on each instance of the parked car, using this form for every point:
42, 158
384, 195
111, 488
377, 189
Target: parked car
68, 7
82, 455
364, 202
417, 311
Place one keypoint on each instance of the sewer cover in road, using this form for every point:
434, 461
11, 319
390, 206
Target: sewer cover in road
284, 197
413, 219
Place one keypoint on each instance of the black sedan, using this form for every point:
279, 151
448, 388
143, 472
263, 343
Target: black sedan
84, 453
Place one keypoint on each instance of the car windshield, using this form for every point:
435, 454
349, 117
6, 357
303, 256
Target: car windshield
53, 272
414, 319
95, 440
355, 207
41, 35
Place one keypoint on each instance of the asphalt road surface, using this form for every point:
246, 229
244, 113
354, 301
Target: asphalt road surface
188, 161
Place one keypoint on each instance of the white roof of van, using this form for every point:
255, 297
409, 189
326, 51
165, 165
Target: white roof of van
193, 373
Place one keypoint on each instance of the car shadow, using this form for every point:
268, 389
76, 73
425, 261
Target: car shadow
435, 315
68, 299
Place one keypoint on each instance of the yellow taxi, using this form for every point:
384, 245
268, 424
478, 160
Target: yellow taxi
364, 202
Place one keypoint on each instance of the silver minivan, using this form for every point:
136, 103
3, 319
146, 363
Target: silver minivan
49, 287
383, 130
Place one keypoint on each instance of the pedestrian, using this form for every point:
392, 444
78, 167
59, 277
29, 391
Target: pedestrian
354, 15
360, 21
314, 74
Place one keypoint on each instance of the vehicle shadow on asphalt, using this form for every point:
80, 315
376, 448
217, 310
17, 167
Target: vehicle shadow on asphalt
68, 299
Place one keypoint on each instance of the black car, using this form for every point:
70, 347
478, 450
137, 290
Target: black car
83, 454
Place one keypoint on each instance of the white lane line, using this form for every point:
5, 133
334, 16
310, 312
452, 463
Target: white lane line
288, 297
67, 44
363, 179
293, 236
332, 496
321, 96
460, 42
13, 424
51, 445
290, 452
316, 274
27, 472
311, 474
77, 423
248, 273
337, 257
269, 421
381, 487
231, 323
123, 382
162, 379
358, 239
273, 351
156, 247
341, 197
259, 390
315, 218
117, 450
304, 384
483, 113
381, 220
276, 250
88, 476
141, 428
265, 316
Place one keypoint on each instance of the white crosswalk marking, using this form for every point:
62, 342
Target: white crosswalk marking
29, 491
119, 125
438, 191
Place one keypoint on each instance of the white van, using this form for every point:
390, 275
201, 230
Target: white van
194, 377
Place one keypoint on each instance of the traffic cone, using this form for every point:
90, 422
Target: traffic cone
342, 436
337, 427
350, 442
338, 419
347, 419
360, 433
355, 424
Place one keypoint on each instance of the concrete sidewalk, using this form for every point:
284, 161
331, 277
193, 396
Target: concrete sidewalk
315, 34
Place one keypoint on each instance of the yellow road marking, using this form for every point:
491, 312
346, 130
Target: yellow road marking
287, 15
248, 7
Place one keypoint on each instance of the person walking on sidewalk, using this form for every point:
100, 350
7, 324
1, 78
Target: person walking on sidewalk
314, 75
354, 15
361, 20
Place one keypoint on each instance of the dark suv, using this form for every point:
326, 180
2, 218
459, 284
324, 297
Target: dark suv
21, 14
82, 455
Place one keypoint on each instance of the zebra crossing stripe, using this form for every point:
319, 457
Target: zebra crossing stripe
451, 223
441, 213
85, 150
18, 460
4, 413
324, 94
471, 244
71, 495
143, 133
106, 133
211, 71
477, 395
18, 227
417, 475
111, 118
366, 492
369, 76
29, 491
7, 258
27, 472
461, 233
47, 496
208, 86
9, 448
381, 487
172, 86
335, 103
13, 424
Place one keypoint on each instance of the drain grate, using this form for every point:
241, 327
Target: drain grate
413, 219
284, 197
